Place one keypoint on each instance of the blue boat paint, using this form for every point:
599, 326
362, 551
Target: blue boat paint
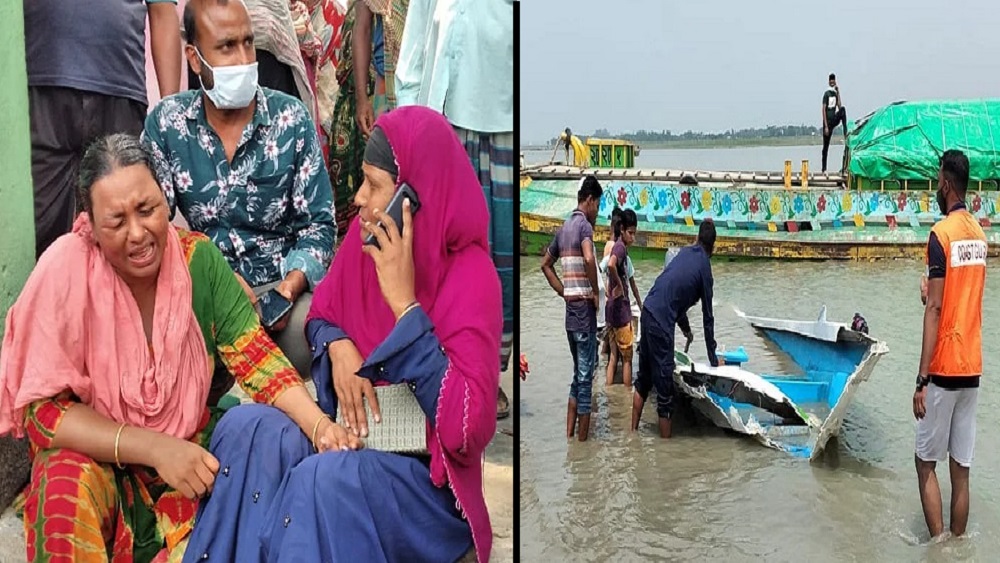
832, 364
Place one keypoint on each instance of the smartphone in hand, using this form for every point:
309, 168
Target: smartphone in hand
273, 306
395, 210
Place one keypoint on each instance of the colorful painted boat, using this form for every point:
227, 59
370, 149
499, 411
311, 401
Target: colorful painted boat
887, 213
797, 413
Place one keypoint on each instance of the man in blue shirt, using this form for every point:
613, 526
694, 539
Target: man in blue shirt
244, 166
686, 280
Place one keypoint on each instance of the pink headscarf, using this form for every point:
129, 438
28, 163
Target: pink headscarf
76, 326
458, 287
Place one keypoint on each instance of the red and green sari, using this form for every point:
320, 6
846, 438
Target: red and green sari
76, 509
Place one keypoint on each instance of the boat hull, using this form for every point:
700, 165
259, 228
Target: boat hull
795, 413
755, 221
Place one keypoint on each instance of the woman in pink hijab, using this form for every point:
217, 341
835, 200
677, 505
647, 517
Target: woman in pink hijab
422, 308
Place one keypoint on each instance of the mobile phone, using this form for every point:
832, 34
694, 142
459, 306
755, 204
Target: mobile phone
273, 306
395, 210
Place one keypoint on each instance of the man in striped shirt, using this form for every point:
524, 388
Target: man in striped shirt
573, 246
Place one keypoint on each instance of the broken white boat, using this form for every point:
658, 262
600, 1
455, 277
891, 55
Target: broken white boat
797, 413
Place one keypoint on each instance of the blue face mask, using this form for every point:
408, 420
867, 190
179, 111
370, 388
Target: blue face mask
235, 86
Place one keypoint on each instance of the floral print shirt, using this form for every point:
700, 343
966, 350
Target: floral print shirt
270, 210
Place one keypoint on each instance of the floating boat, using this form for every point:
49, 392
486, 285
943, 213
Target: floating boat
799, 412
892, 158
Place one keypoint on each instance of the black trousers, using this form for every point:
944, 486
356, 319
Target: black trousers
839, 119
63, 122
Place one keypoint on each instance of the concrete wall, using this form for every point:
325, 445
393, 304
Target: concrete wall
17, 222
17, 218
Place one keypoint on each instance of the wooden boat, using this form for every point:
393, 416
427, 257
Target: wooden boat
755, 215
892, 158
799, 412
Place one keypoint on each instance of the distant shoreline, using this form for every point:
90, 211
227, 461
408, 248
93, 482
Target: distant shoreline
805, 140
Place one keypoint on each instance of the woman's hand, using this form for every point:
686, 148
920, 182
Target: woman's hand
393, 258
331, 436
185, 466
351, 389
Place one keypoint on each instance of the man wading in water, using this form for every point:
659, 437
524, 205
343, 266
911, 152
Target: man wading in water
573, 245
951, 357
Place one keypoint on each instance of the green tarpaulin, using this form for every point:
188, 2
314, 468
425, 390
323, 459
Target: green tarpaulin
905, 141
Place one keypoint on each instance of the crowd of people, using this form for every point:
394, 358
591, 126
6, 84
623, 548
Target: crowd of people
165, 235
598, 308
951, 359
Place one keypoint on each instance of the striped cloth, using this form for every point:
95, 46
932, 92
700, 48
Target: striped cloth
492, 156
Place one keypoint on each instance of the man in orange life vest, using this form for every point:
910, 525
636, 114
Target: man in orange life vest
951, 358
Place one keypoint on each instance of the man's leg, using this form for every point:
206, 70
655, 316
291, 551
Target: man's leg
930, 496
932, 439
586, 346
663, 379
613, 357
292, 340
626, 342
574, 388
56, 149
959, 498
962, 448
492, 157
826, 146
643, 381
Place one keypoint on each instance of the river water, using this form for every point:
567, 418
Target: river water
707, 495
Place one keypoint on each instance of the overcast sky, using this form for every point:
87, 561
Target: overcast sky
713, 65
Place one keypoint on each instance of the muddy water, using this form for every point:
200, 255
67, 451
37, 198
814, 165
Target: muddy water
707, 495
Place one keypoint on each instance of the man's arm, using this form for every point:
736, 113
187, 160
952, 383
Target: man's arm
312, 217
936, 269
165, 44
707, 316
613, 280
635, 291
590, 263
413, 51
932, 317
550, 273
152, 139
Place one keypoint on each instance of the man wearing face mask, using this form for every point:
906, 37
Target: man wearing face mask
951, 357
243, 165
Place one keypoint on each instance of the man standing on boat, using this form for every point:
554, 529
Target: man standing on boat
951, 357
834, 113
573, 246
686, 280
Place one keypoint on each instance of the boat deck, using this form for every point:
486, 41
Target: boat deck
557, 172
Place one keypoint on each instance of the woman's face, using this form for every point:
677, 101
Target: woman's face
130, 221
375, 193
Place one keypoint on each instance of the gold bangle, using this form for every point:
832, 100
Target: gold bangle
408, 308
315, 428
117, 439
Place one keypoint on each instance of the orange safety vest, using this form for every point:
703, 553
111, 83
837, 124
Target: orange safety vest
959, 348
